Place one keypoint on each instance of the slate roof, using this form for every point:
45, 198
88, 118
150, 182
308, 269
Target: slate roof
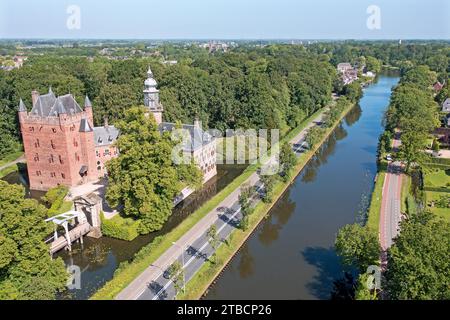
85, 126
104, 136
22, 107
446, 105
48, 105
199, 137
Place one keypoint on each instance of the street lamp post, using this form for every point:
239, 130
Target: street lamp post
182, 268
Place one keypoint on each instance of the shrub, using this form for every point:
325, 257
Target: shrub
55, 199
120, 228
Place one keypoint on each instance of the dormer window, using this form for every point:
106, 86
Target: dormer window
100, 140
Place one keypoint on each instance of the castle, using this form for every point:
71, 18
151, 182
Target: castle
62, 147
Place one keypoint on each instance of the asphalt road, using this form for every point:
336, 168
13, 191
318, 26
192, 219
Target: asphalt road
390, 214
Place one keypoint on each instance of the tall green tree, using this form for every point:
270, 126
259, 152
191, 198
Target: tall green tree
143, 179
358, 246
419, 260
26, 269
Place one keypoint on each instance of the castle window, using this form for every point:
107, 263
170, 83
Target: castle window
36, 144
60, 159
106, 152
75, 143
52, 144
63, 175
72, 128
54, 130
38, 173
36, 157
53, 175
51, 160
77, 157
99, 168
98, 163
31, 128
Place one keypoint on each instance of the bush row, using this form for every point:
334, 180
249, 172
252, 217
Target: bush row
120, 228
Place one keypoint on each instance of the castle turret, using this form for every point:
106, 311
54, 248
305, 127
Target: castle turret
88, 109
151, 97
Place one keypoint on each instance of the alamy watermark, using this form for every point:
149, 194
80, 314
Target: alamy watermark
374, 20
73, 21
237, 147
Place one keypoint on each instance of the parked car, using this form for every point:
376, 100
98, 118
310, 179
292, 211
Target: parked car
388, 157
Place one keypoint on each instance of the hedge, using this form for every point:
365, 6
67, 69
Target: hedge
55, 198
120, 228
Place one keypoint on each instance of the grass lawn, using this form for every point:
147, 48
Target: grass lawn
373, 218
434, 196
8, 170
10, 157
437, 178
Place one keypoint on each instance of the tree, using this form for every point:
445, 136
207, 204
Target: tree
176, 275
411, 149
373, 64
26, 269
353, 91
244, 202
357, 246
213, 239
112, 102
314, 136
362, 292
269, 182
143, 179
419, 260
287, 160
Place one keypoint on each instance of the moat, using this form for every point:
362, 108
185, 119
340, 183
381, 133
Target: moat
98, 259
290, 255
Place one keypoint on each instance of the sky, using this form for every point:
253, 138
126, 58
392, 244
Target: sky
225, 19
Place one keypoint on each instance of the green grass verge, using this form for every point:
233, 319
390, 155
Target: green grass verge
405, 193
10, 157
8, 170
201, 281
126, 274
373, 215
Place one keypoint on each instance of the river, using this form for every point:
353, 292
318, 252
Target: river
290, 255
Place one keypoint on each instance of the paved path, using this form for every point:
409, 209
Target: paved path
9, 164
390, 214
193, 246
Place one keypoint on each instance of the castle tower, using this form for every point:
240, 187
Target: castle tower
56, 150
151, 97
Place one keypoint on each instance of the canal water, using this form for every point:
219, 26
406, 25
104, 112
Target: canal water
290, 255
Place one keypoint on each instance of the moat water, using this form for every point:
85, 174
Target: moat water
291, 255
98, 259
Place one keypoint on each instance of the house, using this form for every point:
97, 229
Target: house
438, 86
348, 72
446, 105
344, 66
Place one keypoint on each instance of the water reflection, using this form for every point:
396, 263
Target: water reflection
291, 254
325, 151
